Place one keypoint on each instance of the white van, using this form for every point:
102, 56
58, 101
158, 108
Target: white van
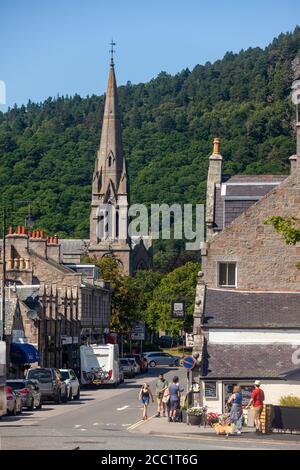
100, 364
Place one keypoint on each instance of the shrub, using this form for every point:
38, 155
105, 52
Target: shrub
195, 411
289, 400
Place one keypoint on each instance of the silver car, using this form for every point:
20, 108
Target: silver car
161, 359
13, 401
128, 368
72, 383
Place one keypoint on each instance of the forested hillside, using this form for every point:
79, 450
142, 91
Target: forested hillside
47, 150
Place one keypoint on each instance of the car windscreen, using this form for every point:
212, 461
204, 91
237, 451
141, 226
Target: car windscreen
65, 374
124, 362
42, 375
16, 385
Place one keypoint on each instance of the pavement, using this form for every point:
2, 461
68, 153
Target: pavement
161, 427
110, 419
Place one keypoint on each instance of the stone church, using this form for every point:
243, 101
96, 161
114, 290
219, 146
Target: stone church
110, 199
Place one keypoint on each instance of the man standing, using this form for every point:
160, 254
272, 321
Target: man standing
257, 399
161, 385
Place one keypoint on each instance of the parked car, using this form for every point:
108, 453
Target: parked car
161, 359
128, 368
142, 362
29, 392
13, 402
72, 383
121, 373
51, 384
133, 361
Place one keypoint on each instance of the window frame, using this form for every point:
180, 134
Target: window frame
218, 274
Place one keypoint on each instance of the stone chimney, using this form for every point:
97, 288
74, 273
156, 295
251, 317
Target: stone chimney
38, 243
16, 243
293, 162
214, 178
53, 249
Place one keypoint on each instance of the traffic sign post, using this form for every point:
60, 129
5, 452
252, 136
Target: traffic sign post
188, 363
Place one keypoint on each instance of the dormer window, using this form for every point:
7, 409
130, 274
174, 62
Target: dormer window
227, 273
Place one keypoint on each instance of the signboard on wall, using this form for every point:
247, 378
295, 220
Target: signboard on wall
178, 309
189, 340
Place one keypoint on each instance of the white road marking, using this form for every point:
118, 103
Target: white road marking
128, 424
95, 424
82, 429
77, 425
111, 424
123, 408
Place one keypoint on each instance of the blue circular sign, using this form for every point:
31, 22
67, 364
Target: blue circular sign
189, 362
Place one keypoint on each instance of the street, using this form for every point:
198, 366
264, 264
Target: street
106, 419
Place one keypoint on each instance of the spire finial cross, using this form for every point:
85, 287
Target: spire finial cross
112, 51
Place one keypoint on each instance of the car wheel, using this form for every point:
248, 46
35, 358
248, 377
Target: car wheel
20, 410
58, 398
39, 407
77, 396
152, 364
31, 406
13, 412
65, 398
70, 395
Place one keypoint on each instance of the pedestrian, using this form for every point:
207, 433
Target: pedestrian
166, 400
257, 400
174, 400
236, 411
161, 386
145, 395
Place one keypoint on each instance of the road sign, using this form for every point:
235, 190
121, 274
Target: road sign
138, 331
178, 309
189, 362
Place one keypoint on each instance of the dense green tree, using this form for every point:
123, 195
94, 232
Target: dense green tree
47, 150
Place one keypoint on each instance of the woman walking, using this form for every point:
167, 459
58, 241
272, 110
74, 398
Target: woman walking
145, 395
236, 412
174, 399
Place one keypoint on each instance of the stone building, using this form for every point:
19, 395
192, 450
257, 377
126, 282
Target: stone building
247, 307
61, 306
110, 199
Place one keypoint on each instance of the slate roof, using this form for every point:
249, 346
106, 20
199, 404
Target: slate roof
245, 361
237, 193
71, 246
239, 309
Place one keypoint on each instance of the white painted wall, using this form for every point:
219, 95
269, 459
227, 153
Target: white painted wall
255, 336
273, 390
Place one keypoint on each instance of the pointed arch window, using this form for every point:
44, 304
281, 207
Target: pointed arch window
110, 159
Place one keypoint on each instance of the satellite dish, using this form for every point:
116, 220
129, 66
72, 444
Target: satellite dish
32, 315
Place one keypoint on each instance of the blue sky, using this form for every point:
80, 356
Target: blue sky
50, 47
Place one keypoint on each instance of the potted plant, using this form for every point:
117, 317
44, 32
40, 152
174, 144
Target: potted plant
195, 415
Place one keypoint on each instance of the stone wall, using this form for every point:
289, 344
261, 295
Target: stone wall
264, 260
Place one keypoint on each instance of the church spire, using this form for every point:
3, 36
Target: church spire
110, 158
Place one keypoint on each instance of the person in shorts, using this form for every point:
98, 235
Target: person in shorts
174, 400
161, 386
257, 400
145, 395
